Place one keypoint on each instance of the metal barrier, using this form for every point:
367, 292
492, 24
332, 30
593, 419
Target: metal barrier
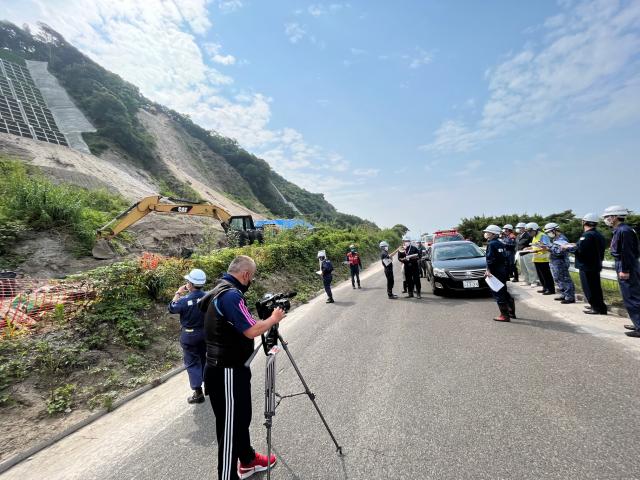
608, 269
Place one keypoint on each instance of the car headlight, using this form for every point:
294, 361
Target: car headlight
439, 272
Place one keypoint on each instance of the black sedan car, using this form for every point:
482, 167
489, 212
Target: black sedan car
456, 266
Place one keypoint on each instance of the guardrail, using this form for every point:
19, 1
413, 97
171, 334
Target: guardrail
608, 269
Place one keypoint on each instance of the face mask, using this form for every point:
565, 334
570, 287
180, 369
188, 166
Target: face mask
487, 235
608, 221
551, 234
386, 249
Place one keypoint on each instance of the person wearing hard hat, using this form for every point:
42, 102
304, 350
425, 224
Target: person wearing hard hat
559, 263
625, 251
409, 255
355, 265
387, 265
498, 267
589, 253
192, 339
525, 259
423, 259
509, 239
326, 271
540, 244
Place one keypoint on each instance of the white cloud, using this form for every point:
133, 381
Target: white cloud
366, 172
585, 67
213, 49
294, 32
419, 58
357, 51
228, 6
318, 9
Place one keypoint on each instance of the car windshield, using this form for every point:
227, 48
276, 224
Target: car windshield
457, 252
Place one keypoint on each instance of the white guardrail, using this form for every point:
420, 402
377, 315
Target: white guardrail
608, 269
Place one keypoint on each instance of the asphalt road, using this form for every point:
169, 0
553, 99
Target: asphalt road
411, 388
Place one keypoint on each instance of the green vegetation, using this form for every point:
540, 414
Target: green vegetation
60, 401
31, 202
610, 290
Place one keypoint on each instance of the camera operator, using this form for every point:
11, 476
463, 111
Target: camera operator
229, 331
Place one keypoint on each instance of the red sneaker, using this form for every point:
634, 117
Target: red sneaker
259, 464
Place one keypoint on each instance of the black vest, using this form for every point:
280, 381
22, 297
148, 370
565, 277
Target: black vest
226, 346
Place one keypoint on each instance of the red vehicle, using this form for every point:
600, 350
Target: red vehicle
450, 235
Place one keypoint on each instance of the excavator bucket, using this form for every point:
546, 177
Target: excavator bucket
103, 250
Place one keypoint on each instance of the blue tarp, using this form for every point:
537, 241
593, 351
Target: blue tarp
283, 223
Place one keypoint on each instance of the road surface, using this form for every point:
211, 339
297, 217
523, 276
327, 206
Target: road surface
412, 388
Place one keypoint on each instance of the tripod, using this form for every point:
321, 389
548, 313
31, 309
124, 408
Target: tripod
270, 394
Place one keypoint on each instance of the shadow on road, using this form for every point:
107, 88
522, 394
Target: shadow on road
547, 325
203, 419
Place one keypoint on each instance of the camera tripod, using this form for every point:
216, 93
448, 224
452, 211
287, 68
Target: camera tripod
270, 394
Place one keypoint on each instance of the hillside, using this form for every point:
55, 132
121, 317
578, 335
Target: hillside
165, 148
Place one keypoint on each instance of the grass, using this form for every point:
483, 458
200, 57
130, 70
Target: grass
610, 290
32, 202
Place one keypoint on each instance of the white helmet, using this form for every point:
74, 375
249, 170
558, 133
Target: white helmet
496, 230
521, 225
322, 254
591, 218
197, 277
532, 226
508, 226
406, 238
615, 211
384, 244
551, 226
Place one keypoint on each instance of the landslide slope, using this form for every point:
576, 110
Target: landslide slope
169, 151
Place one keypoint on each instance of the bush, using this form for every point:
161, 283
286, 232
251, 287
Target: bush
60, 401
32, 201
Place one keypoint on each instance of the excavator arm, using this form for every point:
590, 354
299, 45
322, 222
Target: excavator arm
154, 203
139, 210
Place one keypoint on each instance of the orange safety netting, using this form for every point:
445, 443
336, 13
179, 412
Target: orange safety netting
24, 301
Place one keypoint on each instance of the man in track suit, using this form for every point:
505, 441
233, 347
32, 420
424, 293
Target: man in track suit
229, 331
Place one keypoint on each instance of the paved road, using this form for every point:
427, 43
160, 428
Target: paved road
427, 388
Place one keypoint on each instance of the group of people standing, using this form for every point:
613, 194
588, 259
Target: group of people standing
544, 261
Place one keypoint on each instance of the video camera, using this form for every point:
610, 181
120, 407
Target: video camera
265, 308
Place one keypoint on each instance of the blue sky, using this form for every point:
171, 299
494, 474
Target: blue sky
414, 112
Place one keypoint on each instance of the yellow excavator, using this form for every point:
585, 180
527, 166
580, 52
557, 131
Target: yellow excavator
242, 224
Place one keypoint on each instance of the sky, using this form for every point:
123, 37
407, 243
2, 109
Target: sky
418, 112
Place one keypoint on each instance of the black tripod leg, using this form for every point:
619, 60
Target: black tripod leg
311, 396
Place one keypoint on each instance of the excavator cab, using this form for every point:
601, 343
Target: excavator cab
246, 230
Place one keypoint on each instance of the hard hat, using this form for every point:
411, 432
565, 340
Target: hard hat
322, 253
591, 218
384, 244
521, 225
615, 211
493, 229
508, 226
352, 246
197, 277
551, 226
406, 238
532, 226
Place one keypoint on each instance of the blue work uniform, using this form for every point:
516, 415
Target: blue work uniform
327, 276
624, 249
559, 263
498, 265
510, 249
192, 339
